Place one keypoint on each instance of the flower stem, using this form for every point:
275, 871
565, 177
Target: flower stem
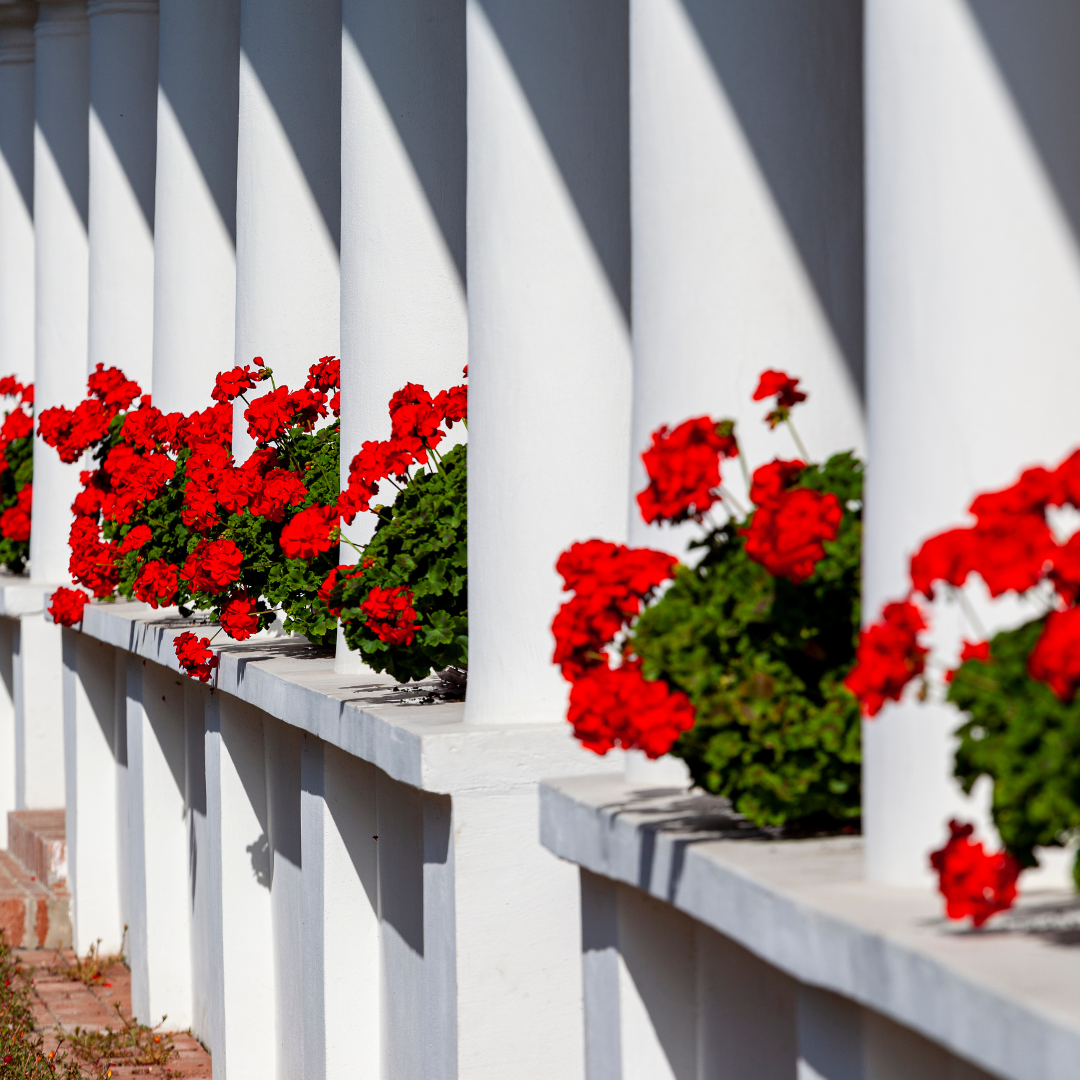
728, 497
745, 471
798, 441
969, 613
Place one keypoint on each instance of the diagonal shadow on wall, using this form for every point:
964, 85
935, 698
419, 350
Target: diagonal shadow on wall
792, 73
1037, 59
202, 88
414, 51
571, 60
274, 34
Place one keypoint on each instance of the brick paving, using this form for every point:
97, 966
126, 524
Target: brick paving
66, 1004
31, 914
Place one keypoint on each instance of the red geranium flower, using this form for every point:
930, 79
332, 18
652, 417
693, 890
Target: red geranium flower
973, 882
17, 425
786, 535
67, 606
231, 384
113, 388
390, 615
683, 468
1055, 660
889, 656
213, 566
280, 489
610, 706
135, 539
15, 521
269, 415
195, 656
453, 404
10, 386
782, 387
772, 480
157, 583
240, 616
324, 374
310, 532
946, 557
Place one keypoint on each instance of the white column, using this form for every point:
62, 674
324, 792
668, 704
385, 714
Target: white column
61, 100
90, 802
974, 325
38, 689
205, 960
340, 927
159, 939
195, 203
9, 747
747, 207
237, 820
17, 189
123, 135
549, 351
403, 161
288, 190
282, 745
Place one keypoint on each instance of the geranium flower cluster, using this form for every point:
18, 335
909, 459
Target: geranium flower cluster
614, 705
974, 882
169, 517
787, 533
16, 473
398, 602
1012, 547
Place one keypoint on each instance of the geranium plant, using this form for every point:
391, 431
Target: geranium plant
169, 517
1017, 690
16, 473
735, 664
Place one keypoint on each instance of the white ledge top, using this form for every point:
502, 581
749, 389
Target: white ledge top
19, 597
1007, 997
427, 746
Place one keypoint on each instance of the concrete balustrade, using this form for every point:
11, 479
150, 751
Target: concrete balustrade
324, 877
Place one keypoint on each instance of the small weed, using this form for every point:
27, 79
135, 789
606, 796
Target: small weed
130, 1044
89, 969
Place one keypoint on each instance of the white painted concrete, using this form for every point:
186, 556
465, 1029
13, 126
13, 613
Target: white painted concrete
746, 195
831, 1036
17, 19
802, 912
9, 747
123, 134
61, 267
288, 190
160, 924
204, 957
195, 200
521, 1003
549, 358
341, 943
282, 744
120, 752
244, 1029
403, 313
37, 683
973, 286
90, 792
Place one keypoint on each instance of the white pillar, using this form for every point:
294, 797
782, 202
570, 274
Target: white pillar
17, 189
159, 939
282, 745
403, 151
123, 134
288, 190
342, 970
747, 213
549, 351
205, 960
38, 690
195, 202
9, 748
91, 802
244, 1038
974, 325
61, 99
